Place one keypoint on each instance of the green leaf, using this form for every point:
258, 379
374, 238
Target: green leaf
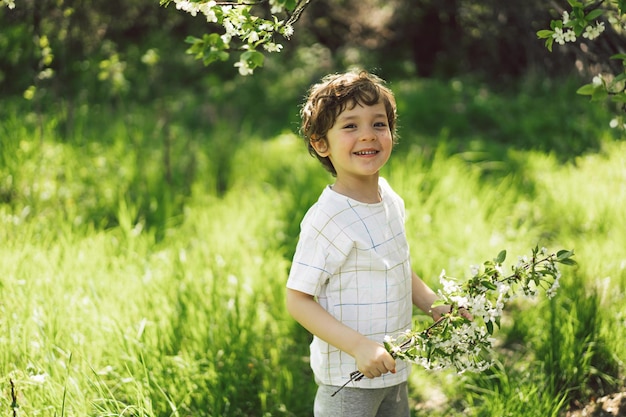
254, 58
594, 14
586, 90
599, 94
619, 98
192, 39
290, 4
619, 56
549, 43
501, 257
567, 262
543, 34
564, 254
489, 325
488, 284
556, 24
213, 56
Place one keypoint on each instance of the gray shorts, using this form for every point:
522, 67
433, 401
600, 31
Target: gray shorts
361, 402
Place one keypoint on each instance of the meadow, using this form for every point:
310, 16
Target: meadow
143, 259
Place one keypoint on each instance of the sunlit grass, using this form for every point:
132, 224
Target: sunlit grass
126, 292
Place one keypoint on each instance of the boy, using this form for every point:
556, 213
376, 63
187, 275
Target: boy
351, 281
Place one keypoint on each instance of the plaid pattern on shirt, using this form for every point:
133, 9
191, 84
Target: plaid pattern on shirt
354, 258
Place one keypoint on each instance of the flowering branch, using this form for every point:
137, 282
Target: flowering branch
587, 20
244, 31
455, 340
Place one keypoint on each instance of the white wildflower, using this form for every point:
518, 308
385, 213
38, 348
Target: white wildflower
39, 378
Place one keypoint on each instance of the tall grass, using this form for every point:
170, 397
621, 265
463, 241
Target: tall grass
134, 286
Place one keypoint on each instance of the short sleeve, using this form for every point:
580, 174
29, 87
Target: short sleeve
321, 250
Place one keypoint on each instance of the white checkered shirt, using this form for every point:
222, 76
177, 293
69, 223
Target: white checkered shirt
354, 258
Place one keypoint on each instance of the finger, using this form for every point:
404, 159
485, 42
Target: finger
390, 364
371, 373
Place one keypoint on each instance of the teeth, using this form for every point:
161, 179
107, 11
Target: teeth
366, 153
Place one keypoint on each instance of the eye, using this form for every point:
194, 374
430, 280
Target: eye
380, 124
350, 126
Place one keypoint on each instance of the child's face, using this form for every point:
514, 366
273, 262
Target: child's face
359, 143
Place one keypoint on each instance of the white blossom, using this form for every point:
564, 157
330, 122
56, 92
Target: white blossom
551, 292
561, 37
449, 286
244, 68
503, 288
276, 7
570, 36
272, 47
253, 36
288, 31
592, 32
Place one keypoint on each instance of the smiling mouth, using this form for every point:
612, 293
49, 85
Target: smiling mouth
366, 153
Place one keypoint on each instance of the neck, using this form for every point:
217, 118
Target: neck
363, 190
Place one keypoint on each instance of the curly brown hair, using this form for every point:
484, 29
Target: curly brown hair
336, 93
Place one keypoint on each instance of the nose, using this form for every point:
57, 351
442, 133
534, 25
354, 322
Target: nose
369, 134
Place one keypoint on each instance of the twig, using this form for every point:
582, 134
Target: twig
354, 377
14, 405
302, 4
357, 375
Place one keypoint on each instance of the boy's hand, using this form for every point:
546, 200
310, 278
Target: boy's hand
440, 311
373, 360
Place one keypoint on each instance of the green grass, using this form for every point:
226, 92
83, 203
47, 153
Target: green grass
143, 268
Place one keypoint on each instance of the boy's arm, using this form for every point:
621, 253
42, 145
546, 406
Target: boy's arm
424, 297
371, 358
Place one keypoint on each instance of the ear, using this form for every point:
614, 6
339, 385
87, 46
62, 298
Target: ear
320, 145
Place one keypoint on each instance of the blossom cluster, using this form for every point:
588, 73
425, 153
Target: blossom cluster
238, 23
8, 3
455, 341
462, 339
562, 36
